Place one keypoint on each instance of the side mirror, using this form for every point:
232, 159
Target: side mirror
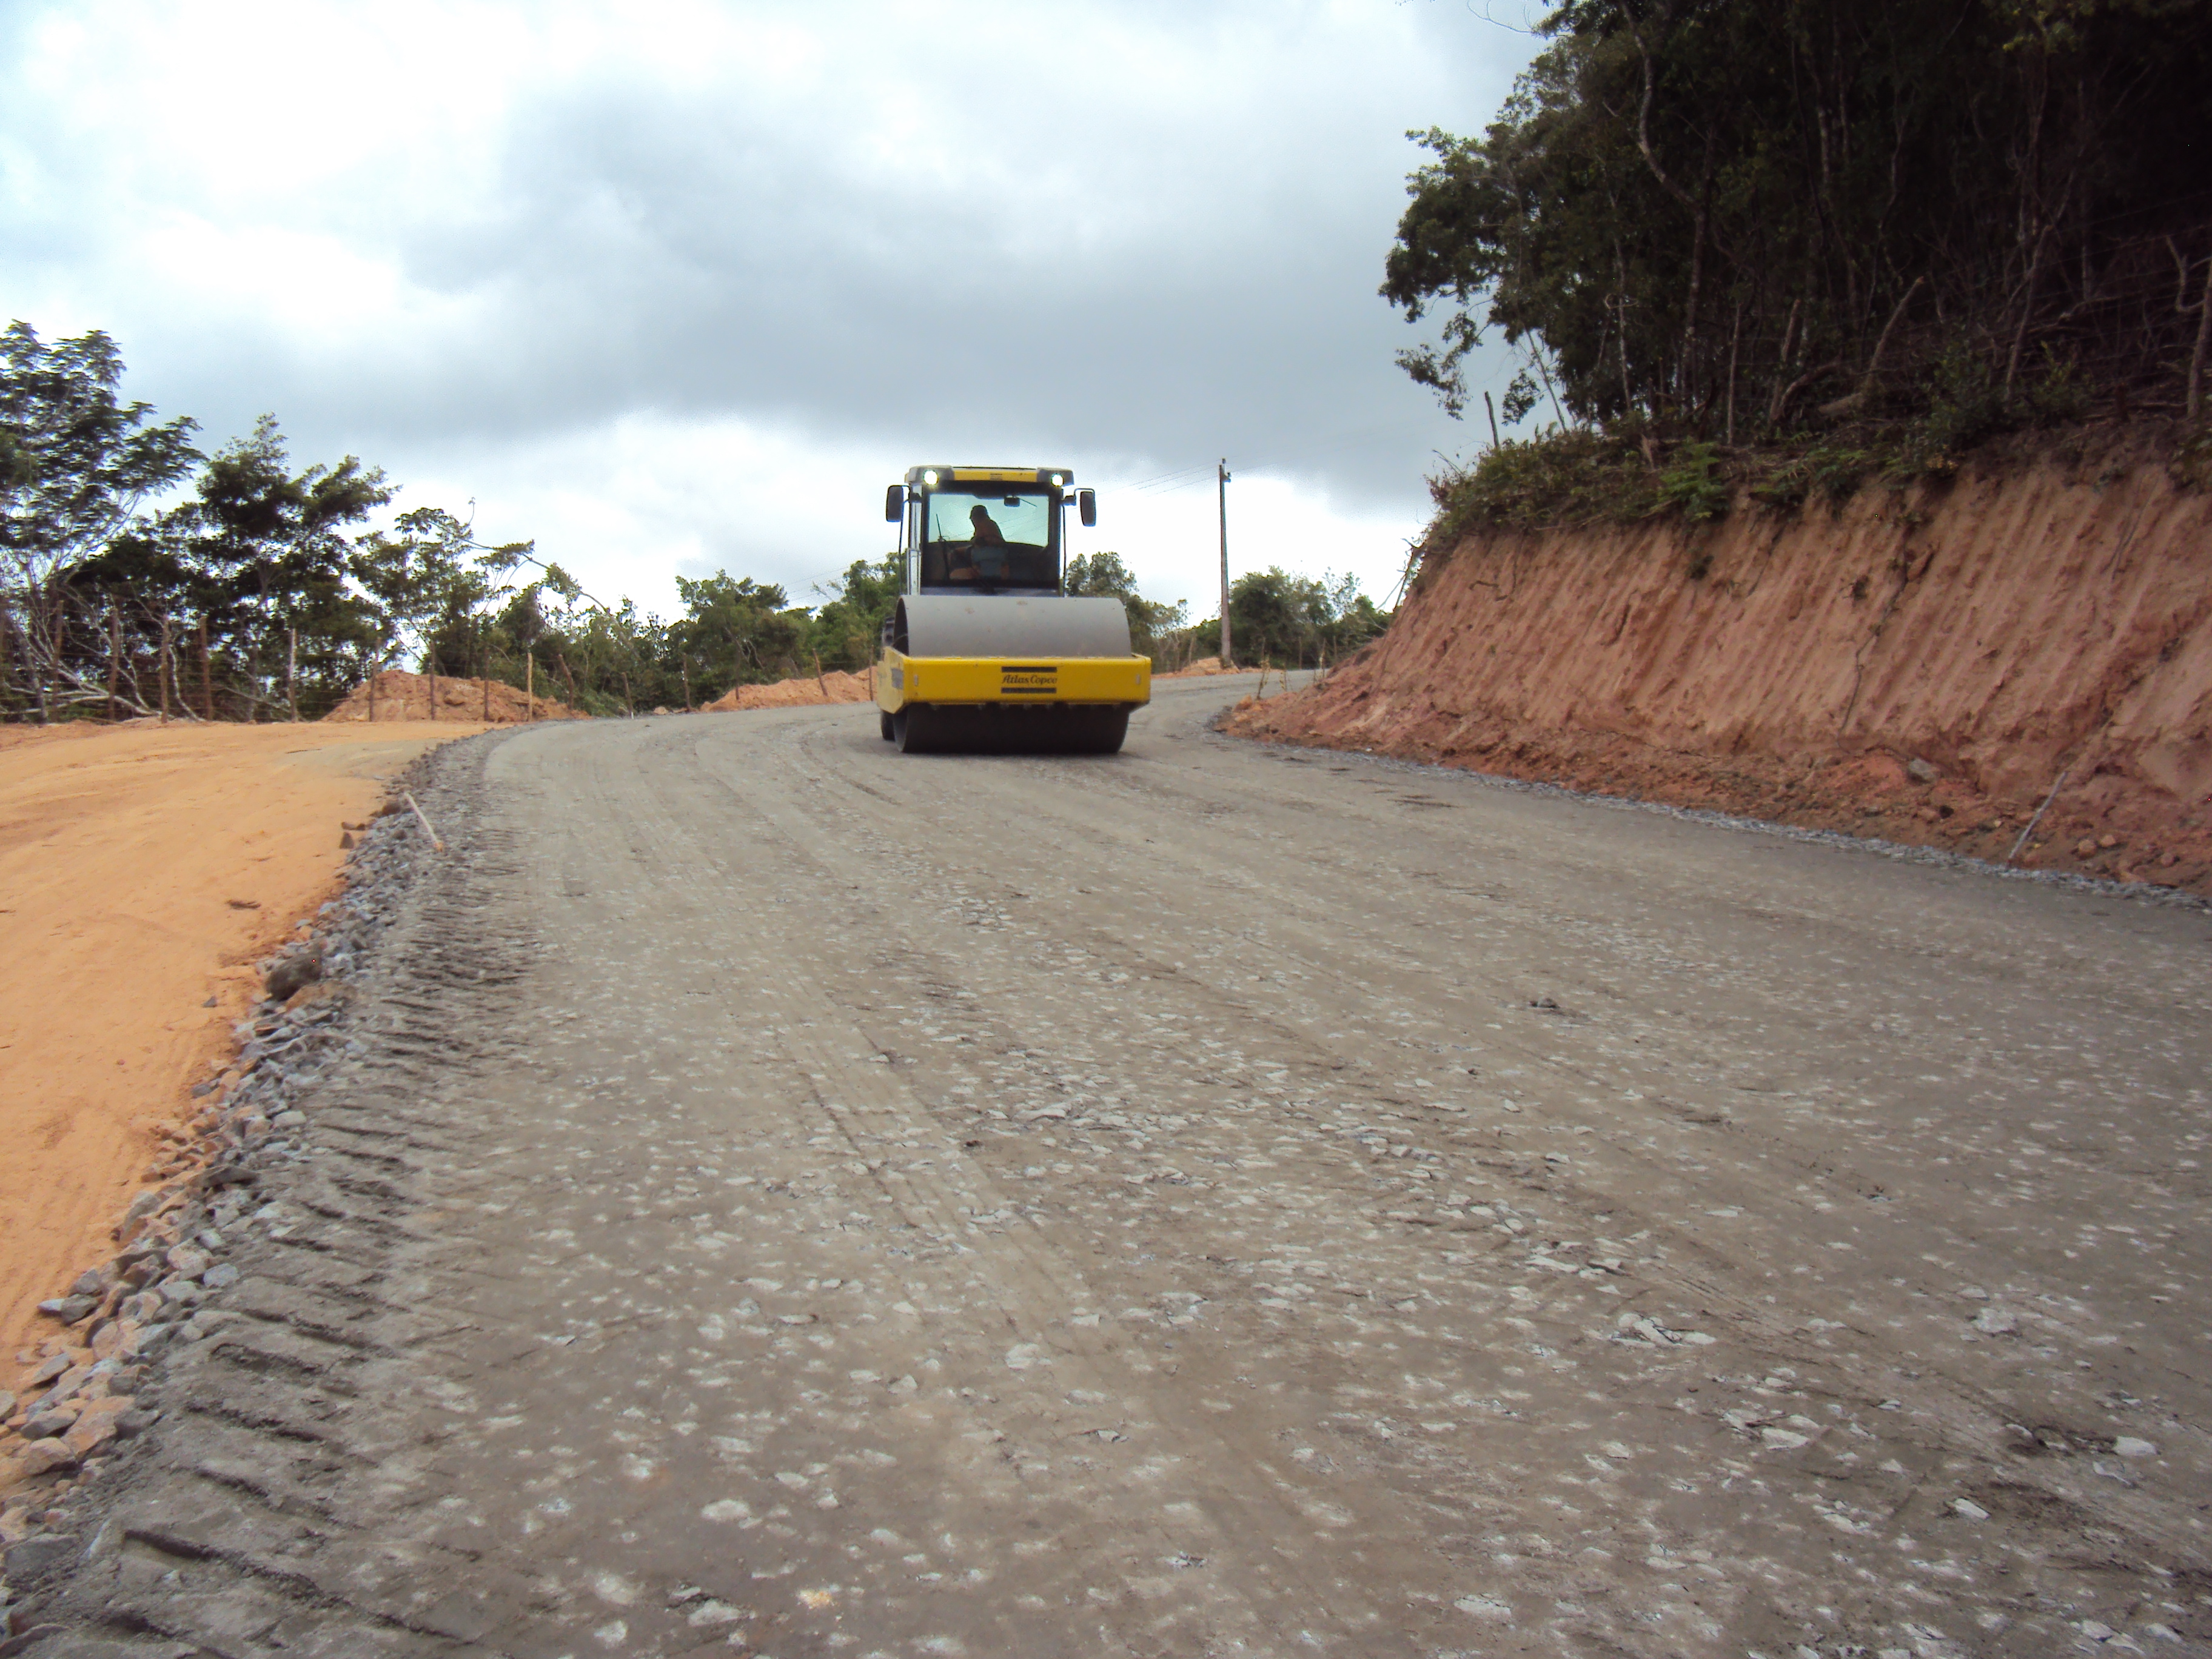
894, 503
1086, 506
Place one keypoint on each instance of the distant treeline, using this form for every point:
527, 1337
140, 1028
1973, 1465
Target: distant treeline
1740, 221
262, 594
1281, 621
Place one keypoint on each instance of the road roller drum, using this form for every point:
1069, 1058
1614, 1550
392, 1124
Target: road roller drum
985, 652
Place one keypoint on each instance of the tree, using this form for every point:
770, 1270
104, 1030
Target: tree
734, 631
428, 576
1287, 620
848, 627
75, 464
1725, 214
1103, 575
272, 558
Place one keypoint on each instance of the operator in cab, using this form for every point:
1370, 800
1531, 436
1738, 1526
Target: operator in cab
985, 549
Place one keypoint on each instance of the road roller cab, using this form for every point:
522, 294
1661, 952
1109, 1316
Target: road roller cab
984, 650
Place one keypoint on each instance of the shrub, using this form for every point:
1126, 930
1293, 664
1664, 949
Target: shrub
1693, 486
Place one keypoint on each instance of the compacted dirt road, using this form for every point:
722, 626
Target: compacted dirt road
795, 1198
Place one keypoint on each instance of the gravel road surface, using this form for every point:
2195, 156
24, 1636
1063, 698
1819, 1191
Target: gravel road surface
795, 1198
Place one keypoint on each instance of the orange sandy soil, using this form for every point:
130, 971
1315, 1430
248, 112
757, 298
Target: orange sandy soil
399, 697
1922, 667
835, 686
1201, 668
126, 853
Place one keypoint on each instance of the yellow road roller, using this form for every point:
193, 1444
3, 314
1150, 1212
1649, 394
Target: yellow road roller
984, 652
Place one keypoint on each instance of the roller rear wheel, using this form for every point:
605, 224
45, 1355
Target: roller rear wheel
889, 730
917, 730
1097, 731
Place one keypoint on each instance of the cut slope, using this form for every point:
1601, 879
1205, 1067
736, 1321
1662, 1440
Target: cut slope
1924, 667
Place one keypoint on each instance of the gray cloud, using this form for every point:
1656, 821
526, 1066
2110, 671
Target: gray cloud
1143, 232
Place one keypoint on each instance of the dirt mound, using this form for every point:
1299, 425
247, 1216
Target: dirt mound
1198, 668
835, 686
404, 696
1924, 667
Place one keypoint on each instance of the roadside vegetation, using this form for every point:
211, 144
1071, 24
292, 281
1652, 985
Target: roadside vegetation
1276, 620
1761, 253
262, 593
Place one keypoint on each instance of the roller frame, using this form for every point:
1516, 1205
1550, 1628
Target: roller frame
968, 684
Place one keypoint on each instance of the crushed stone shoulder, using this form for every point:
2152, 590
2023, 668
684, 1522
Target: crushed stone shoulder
261, 1447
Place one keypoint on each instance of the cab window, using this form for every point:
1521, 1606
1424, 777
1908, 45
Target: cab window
997, 539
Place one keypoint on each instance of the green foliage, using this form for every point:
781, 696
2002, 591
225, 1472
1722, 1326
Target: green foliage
2060, 395
845, 632
733, 631
1283, 621
1693, 485
1834, 471
263, 569
1725, 215
1572, 476
256, 557
75, 462
1964, 405
1103, 575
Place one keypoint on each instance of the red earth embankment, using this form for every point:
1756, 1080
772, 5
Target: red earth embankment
1921, 666
835, 686
397, 695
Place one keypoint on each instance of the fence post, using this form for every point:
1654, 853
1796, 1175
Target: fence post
207, 678
114, 655
161, 668
292, 672
530, 684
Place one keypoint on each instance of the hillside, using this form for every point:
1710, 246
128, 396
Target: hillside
1921, 665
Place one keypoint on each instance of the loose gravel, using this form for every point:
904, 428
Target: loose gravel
2146, 892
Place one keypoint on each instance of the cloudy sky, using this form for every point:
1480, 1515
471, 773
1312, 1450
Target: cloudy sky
675, 287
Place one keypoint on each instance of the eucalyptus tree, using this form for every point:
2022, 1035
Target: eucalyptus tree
76, 463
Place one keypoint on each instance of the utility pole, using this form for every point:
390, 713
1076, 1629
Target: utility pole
1221, 484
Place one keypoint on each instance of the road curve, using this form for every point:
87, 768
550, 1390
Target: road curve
798, 1198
